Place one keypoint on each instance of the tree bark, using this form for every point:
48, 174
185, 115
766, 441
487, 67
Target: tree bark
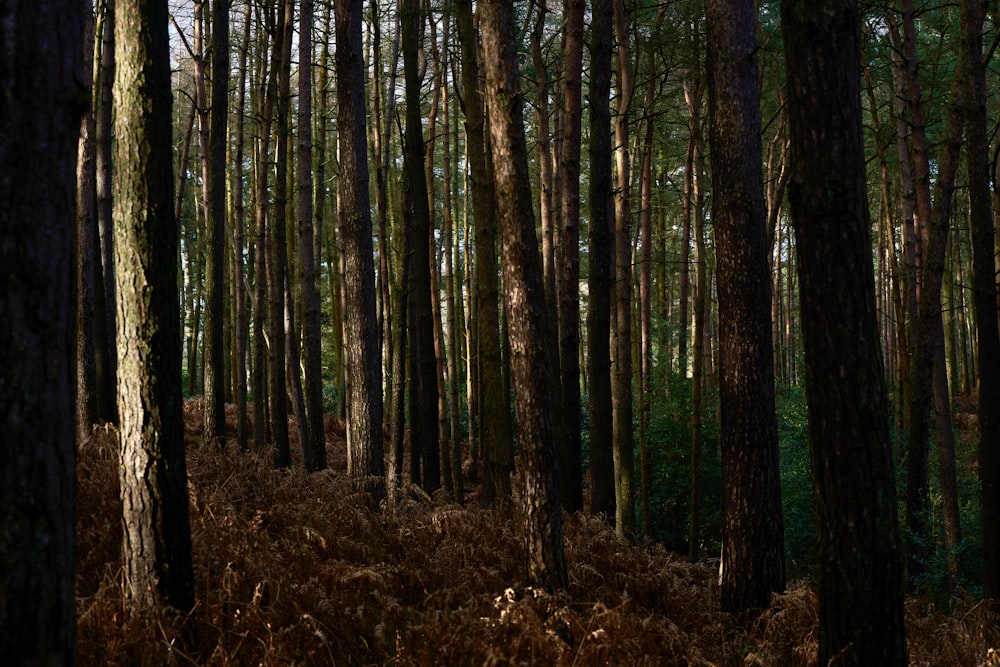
314, 450
860, 589
601, 238
213, 359
524, 302
365, 459
46, 96
424, 433
621, 370
753, 551
568, 283
157, 533
495, 436
984, 294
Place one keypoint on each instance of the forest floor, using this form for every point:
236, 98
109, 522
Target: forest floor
300, 569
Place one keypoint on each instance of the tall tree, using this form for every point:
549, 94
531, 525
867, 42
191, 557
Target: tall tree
753, 551
984, 293
153, 475
424, 433
601, 261
524, 302
860, 567
363, 364
277, 239
571, 479
314, 450
495, 437
621, 384
215, 376
39, 131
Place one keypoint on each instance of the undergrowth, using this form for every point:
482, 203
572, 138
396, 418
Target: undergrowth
300, 569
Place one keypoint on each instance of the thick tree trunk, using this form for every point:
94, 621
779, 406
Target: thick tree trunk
984, 293
157, 533
365, 459
860, 590
752, 530
524, 302
41, 77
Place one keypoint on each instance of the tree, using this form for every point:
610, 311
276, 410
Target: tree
571, 480
495, 435
424, 433
753, 551
984, 293
314, 450
218, 138
621, 370
41, 77
524, 302
859, 559
153, 476
363, 364
601, 237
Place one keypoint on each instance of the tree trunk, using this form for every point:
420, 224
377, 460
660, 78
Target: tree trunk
106, 354
570, 448
524, 303
314, 450
601, 239
753, 550
157, 533
621, 370
215, 394
365, 459
239, 225
277, 243
984, 293
495, 437
424, 434
860, 590
42, 78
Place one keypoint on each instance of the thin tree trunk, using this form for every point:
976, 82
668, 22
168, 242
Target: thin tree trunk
568, 280
239, 224
495, 436
214, 356
601, 239
314, 449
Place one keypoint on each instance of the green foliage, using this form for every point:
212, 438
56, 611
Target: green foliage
796, 481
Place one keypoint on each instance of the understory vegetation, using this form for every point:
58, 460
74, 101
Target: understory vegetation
300, 569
